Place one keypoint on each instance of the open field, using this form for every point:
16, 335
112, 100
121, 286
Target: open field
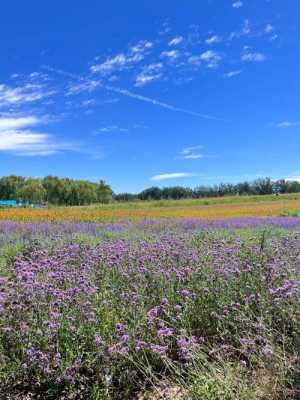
181, 300
211, 208
173, 309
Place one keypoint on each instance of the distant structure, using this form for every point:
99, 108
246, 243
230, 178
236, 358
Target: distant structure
20, 204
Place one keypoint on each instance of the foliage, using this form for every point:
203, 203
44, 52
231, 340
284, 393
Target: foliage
32, 191
259, 187
54, 190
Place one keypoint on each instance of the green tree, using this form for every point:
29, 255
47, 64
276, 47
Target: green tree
104, 193
9, 186
32, 191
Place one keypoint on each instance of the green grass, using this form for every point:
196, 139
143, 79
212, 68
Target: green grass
207, 201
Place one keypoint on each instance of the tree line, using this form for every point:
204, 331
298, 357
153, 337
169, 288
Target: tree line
54, 190
261, 186
73, 192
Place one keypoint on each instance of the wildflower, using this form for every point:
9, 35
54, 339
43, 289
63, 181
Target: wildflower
161, 350
124, 338
98, 339
140, 345
164, 332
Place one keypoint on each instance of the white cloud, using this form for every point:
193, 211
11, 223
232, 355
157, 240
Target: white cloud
252, 56
171, 54
175, 41
269, 28
123, 61
287, 124
15, 137
110, 128
230, 74
9, 123
88, 103
191, 153
22, 94
26, 143
209, 57
110, 65
190, 149
174, 175
246, 27
273, 37
149, 74
244, 31
141, 47
84, 86
143, 79
213, 39
193, 156
128, 93
237, 4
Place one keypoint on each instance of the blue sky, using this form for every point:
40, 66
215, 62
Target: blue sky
143, 93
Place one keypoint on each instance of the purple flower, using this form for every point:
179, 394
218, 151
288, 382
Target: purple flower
164, 332
157, 349
98, 339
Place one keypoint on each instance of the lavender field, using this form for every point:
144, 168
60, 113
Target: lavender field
185, 309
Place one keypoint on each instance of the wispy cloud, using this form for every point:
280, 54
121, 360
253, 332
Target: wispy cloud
273, 37
22, 136
174, 175
170, 54
231, 74
18, 137
82, 87
244, 31
269, 28
193, 156
141, 47
88, 103
175, 41
286, 124
11, 122
118, 128
155, 102
193, 153
122, 61
251, 56
149, 74
210, 58
213, 39
128, 93
143, 79
11, 96
237, 4
110, 128
110, 65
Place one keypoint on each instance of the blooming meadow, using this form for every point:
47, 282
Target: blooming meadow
120, 310
208, 208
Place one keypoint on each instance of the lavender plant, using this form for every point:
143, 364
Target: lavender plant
106, 312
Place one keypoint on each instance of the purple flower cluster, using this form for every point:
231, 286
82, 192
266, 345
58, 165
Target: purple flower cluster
73, 307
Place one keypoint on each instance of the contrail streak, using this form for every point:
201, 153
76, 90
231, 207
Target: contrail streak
128, 93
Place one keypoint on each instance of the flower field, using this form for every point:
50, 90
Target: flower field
212, 208
195, 308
